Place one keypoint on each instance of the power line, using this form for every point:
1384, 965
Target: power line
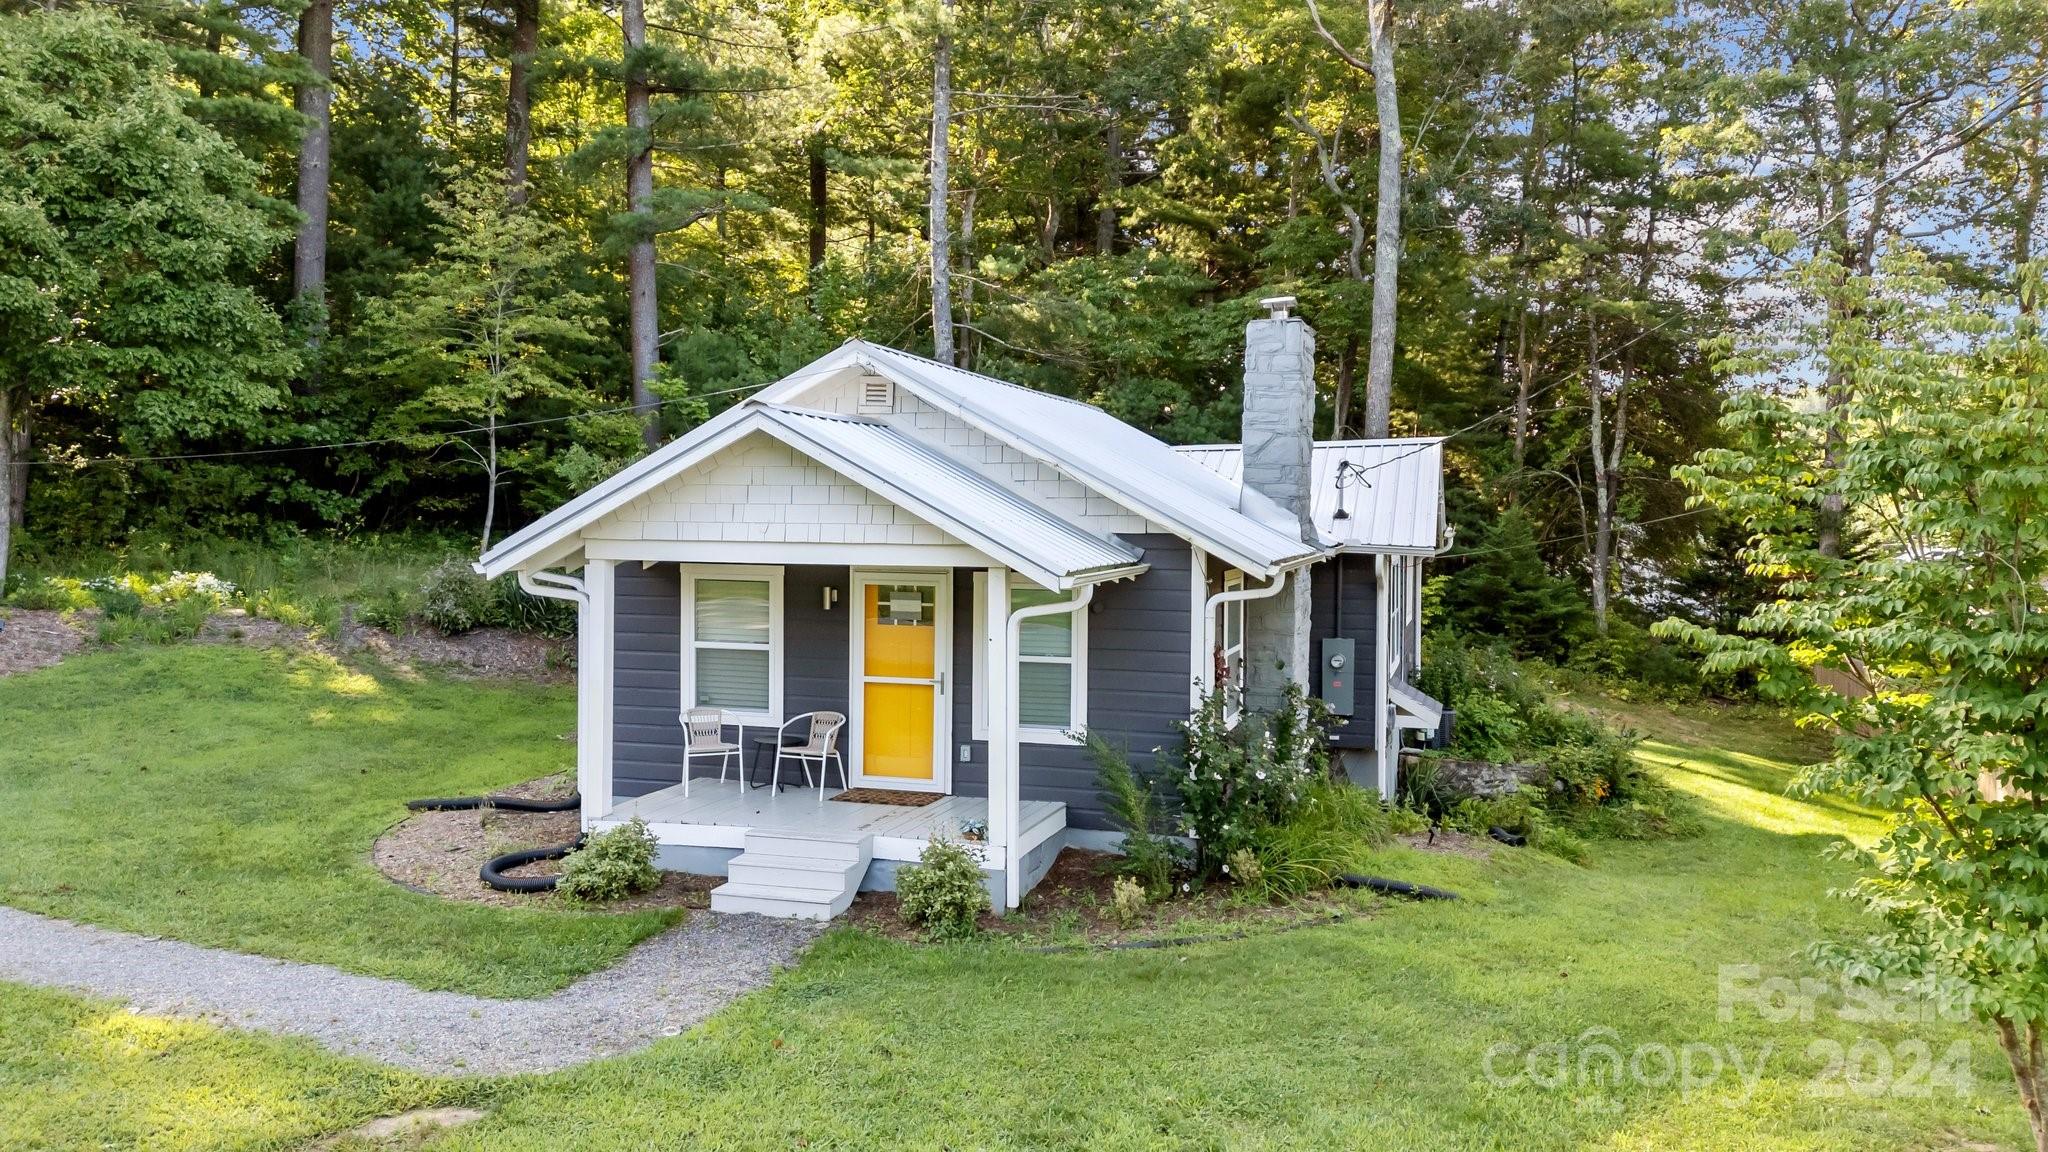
369, 443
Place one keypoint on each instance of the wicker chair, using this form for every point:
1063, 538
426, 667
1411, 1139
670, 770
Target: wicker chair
821, 744
704, 735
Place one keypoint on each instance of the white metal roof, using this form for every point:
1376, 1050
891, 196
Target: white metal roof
1394, 492
1137, 470
992, 517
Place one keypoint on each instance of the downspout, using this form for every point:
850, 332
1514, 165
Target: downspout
1272, 588
1013, 799
561, 586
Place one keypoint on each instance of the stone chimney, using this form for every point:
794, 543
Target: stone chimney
1279, 432
1279, 414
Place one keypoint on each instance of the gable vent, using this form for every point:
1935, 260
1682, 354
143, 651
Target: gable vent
877, 394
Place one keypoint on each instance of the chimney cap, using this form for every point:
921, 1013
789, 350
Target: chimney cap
1277, 305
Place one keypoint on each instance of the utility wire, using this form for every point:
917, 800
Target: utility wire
452, 433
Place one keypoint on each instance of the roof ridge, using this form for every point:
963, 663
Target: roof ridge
990, 379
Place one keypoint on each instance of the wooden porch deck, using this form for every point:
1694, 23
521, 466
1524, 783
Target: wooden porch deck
719, 815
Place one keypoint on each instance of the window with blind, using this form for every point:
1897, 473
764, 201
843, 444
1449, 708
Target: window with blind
1051, 682
732, 642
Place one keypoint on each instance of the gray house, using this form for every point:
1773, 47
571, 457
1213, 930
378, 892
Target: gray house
943, 578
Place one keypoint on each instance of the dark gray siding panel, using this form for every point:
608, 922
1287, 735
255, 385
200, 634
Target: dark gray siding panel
970, 778
814, 650
1138, 680
1358, 620
647, 736
647, 637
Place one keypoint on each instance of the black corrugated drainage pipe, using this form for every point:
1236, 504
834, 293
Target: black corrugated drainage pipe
1395, 887
492, 872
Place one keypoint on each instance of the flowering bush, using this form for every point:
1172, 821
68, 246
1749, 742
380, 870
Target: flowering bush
1234, 780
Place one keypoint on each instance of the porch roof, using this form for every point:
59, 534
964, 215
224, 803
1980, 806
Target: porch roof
989, 517
957, 498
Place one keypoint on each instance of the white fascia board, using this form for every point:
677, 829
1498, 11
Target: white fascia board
1030, 447
981, 541
543, 536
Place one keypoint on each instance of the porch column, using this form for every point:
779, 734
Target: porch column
1002, 744
594, 691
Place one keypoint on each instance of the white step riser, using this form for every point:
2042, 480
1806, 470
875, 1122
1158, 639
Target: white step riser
833, 879
778, 844
780, 909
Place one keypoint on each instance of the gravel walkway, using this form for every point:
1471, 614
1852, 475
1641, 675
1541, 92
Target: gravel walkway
663, 987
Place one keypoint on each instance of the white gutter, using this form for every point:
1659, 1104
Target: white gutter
589, 700
1272, 588
1013, 792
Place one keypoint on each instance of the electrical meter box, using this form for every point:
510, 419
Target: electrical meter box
1339, 664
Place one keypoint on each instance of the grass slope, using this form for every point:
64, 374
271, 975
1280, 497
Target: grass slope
1370, 1034
230, 797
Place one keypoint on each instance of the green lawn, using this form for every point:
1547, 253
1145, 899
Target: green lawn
1368, 1034
230, 797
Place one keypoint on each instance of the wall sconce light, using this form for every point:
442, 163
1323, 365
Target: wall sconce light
831, 598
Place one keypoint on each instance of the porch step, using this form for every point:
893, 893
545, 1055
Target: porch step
751, 867
780, 902
794, 875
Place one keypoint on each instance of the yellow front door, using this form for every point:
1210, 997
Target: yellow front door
902, 660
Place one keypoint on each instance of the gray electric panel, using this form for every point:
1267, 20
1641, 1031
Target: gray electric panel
1339, 664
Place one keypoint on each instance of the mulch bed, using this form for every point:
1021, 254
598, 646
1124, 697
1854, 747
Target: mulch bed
439, 853
888, 796
32, 639
493, 653
1072, 906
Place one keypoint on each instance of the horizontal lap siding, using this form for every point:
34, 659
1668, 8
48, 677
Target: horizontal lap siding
647, 735
647, 638
814, 650
1360, 623
1138, 680
1138, 675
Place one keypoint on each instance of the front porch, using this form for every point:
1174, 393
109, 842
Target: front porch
703, 832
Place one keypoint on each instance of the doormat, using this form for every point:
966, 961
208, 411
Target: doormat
888, 796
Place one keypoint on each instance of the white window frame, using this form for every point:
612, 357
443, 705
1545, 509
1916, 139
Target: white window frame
1077, 705
1226, 612
772, 575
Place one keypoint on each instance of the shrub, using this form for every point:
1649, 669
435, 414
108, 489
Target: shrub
454, 599
53, 594
1126, 900
611, 865
943, 892
513, 607
1405, 821
1332, 832
391, 609
1149, 858
1232, 781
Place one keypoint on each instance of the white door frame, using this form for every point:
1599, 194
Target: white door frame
856, 697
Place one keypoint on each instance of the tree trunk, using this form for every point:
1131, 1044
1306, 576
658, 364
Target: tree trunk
6, 482
315, 102
966, 352
2034, 167
2024, 1055
1112, 183
1386, 253
490, 477
15, 510
519, 96
1525, 373
644, 335
1347, 376
454, 68
820, 204
941, 236
1603, 506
